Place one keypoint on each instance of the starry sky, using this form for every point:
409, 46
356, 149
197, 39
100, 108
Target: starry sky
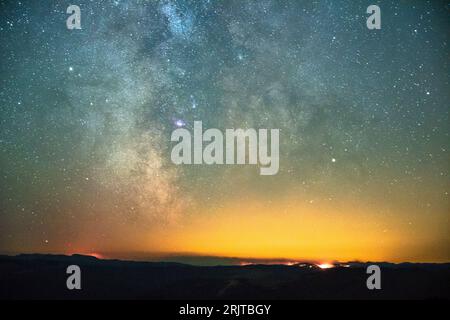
86, 118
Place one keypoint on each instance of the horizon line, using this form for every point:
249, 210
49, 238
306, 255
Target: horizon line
211, 260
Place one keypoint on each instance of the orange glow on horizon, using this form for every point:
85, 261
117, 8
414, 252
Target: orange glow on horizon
95, 255
293, 231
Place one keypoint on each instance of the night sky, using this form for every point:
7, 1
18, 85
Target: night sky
86, 118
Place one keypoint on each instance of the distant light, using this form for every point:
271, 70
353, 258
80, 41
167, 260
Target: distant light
325, 266
70, 69
333, 159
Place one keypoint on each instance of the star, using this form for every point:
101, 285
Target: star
180, 123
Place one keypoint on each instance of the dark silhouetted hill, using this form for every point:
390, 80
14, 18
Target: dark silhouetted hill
38, 276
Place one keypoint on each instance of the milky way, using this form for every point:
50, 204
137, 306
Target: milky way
86, 118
